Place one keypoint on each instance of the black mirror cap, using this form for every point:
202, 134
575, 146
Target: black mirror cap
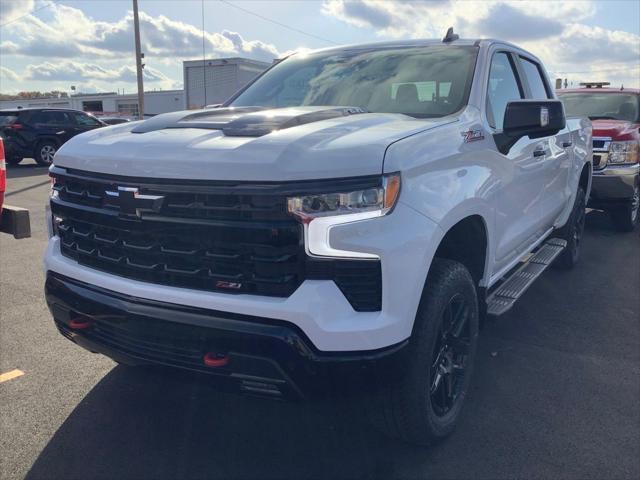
533, 118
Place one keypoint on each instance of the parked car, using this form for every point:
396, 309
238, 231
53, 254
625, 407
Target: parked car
345, 221
615, 114
114, 120
39, 132
13, 220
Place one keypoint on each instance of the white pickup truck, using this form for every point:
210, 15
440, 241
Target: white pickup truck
346, 220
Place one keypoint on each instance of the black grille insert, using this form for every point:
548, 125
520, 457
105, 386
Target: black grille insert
215, 236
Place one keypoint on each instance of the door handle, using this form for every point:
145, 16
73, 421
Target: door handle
566, 144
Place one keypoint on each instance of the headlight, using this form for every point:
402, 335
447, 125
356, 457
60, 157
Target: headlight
623, 152
321, 212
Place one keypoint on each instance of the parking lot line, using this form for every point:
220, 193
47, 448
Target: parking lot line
10, 375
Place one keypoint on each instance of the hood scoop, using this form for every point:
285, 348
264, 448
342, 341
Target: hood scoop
245, 121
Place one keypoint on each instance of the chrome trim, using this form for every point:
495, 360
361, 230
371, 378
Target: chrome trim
603, 152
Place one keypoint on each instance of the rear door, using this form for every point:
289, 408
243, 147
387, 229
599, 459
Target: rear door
557, 148
518, 208
56, 124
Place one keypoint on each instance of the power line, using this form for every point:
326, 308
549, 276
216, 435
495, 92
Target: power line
27, 14
293, 29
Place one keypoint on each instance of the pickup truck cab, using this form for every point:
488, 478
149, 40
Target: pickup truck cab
346, 220
615, 114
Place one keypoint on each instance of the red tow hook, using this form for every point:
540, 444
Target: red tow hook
214, 360
80, 324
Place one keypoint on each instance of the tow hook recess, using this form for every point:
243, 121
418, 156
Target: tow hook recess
215, 360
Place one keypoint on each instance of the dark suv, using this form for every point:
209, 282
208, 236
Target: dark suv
39, 132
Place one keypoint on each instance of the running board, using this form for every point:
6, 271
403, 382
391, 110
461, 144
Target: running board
505, 296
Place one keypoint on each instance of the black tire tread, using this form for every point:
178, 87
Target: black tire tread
566, 260
389, 407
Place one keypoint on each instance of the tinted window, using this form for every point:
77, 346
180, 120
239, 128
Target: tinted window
534, 78
423, 82
616, 106
7, 118
86, 120
51, 118
503, 88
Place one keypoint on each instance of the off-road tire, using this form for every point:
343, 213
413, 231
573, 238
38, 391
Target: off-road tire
401, 404
44, 152
572, 232
625, 218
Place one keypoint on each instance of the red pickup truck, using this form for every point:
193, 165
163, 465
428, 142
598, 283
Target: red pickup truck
615, 114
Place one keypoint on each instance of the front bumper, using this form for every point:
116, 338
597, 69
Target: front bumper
261, 356
405, 241
613, 184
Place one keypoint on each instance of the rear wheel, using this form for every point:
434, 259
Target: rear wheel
45, 151
572, 232
625, 218
421, 400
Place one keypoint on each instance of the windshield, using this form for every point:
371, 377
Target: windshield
430, 81
614, 106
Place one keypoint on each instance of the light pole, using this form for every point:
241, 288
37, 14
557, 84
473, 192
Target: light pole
139, 65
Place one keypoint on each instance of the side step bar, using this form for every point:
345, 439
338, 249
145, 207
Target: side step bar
505, 296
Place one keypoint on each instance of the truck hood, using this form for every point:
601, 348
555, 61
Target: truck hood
247, 144
618, 130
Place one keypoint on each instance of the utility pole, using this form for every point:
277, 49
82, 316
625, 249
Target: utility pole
139, 65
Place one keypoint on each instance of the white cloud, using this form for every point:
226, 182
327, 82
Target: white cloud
7, 73
69, 71
11, 10
72, 34
574, 50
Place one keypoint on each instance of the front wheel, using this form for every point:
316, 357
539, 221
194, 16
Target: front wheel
572, 232
625, 218
45, 152
421, 399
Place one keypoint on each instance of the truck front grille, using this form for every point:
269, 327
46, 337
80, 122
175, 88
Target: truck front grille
600, 152
215, 236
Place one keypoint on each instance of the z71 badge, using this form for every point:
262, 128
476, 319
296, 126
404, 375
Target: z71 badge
472, 135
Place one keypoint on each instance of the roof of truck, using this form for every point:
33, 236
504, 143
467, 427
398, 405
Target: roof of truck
417, 43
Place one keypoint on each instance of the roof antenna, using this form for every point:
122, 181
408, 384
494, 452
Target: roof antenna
450, 36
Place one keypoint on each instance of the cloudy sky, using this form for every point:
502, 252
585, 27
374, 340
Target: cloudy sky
46, 45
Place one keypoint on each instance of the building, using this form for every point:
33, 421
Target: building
108, 103
206, 82
209, 82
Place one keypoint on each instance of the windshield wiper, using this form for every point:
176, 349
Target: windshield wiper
601, 117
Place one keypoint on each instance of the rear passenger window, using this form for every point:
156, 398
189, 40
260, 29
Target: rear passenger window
51, 118
503, 88
535, 80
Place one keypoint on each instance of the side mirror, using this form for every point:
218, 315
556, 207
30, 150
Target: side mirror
533, 118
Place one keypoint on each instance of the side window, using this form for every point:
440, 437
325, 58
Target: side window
503, 88
534, 79
40, 117
59, 118
85, 120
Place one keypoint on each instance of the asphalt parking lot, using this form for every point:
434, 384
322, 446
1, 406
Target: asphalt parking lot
556, 391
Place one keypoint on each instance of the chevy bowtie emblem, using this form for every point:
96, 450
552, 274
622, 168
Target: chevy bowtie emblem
131, 202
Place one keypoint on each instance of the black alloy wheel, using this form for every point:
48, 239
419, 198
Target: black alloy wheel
450, 356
